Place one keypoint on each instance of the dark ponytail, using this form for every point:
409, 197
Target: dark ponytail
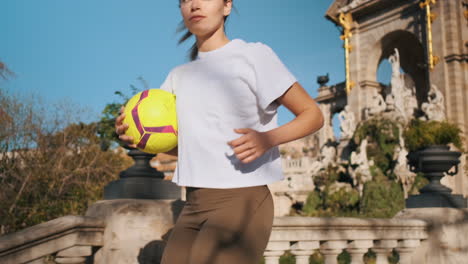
194, 49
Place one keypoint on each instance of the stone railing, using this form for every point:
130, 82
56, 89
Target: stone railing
303, 236
296, 165
70, 239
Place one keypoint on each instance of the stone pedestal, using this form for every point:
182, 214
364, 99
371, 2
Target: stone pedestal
136, 230
447, 242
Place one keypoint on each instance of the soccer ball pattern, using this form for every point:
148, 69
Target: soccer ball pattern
151, 116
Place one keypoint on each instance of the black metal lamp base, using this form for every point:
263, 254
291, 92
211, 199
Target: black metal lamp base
142, 188
435, 199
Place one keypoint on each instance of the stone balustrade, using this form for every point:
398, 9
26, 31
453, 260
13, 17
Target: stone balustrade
302, 236
301, 165
70, 239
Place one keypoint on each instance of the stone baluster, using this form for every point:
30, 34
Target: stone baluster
331, 249
405, 248
382, 249
302, 250
357, 249
274, 251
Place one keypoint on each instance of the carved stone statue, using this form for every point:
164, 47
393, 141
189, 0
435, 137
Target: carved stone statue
360, 166
326, 133
434, 108
328, 155
347, 122
401, 170
377, 104
394, 60
410, 102
397, 85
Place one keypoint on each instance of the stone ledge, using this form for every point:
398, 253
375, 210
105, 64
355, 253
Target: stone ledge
346, 228
50, 237
48, 229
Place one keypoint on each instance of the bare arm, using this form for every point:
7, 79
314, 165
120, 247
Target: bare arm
308, 120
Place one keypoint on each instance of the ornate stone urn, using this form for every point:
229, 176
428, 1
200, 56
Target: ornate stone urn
434, 161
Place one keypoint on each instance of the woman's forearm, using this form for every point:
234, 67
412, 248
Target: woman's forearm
305, 123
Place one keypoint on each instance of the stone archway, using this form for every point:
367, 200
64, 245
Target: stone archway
411, 54
378, 27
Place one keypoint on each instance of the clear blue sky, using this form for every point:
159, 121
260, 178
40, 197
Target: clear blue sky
84, 50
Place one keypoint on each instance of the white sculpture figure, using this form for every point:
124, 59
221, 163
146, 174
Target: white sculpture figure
394, 60
397, 84
326, 133
328, 154
347, 122
377, 104
410, 102
434, 108
315, 167
361, 174
401, 170
390, 102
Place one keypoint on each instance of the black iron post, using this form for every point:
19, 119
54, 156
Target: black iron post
141, 181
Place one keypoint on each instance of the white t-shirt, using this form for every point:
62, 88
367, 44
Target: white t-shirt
234, 86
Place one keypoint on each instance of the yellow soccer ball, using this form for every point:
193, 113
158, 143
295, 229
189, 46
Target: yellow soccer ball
152, 119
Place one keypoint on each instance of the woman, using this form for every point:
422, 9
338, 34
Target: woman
227, 98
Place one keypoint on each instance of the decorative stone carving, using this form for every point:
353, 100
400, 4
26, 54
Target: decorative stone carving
328, 155
326, 133
435, 107
410, 102
394, 60
401, 170
377, 104
360, 166
398, 86
347, 122
353, 5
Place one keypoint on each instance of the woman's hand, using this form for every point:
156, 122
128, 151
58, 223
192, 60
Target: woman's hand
251, 145
120, 129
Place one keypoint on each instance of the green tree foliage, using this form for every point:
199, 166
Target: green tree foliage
106, 127
383, 138
330, 199
381, 197
421, 134
49, 168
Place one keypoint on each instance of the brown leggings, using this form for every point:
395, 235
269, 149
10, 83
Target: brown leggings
221, 226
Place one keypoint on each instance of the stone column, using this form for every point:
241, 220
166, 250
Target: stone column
274, 251
382, 249
272, 257
331, 249
405, 249
357, 249
302, 250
